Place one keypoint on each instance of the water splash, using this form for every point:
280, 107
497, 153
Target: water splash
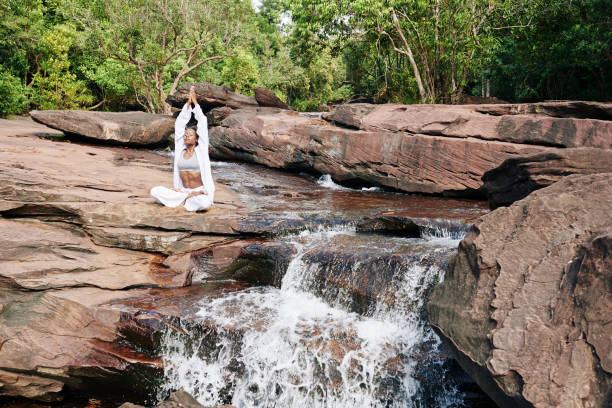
290, 347
326, 181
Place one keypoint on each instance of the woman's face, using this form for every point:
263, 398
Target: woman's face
190, 137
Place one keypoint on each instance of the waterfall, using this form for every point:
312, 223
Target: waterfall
304, 344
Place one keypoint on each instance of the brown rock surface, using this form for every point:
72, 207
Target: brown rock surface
69, 259
526, 303
518, 176
74, 243
211, 96
561, 109
216, 115
265, 97
408, 162
26, 127
128, 128
110, 191
506, 123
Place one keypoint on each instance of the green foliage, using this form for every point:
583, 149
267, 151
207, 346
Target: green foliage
564, 54
12, 94
54, 86
241, 72
115, 54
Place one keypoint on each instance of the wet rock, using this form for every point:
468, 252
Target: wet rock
408, 162
101, 342
411, 227
182, 399
65, 337
524, 302
14, 384
130, 405
265, 97
211, 96
505, 123
263, 263
362, 276
249, 260
516, 177
127, 128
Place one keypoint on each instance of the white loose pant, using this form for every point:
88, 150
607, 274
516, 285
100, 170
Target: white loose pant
172, 198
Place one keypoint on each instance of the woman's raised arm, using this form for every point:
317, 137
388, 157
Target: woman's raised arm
181, 123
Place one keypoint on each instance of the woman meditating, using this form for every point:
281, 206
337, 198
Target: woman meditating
193, 182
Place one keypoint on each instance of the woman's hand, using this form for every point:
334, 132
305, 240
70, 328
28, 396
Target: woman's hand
194, 194
192, 95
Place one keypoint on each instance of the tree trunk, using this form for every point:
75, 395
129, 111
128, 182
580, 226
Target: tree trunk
415, 68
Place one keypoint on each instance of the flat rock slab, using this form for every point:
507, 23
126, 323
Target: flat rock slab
561, 109
127, 128
110, 190
408, 162
516, 177
26, 127
528, 124
526, 303
210, 96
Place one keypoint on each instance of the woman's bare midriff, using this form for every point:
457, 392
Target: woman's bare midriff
191, 179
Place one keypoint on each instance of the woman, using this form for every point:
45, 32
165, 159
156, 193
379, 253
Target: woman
193, 182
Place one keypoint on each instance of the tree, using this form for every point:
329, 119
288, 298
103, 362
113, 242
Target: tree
564, 54
162, 40
440, 41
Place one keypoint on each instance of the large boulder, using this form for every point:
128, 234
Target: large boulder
127, 128
526, 302
507, 123
210, 96
518, 176
265, 97
408, 162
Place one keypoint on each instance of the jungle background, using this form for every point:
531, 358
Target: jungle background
130, 54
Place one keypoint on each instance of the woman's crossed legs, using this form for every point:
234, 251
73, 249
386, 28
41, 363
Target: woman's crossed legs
172, 198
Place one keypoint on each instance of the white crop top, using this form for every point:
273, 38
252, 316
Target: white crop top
190, 164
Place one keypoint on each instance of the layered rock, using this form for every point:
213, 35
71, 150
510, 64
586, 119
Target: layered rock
128, 128
210, 96
526, 301
265, 97
73, 243
403, 161
562, 109
93, 271
548, 124
518, 176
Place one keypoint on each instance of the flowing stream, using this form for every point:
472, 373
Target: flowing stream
346, 325
304, 345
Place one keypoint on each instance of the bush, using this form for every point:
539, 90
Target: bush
12, 94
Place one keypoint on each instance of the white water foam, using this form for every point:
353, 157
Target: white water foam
286, 347
326, 181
